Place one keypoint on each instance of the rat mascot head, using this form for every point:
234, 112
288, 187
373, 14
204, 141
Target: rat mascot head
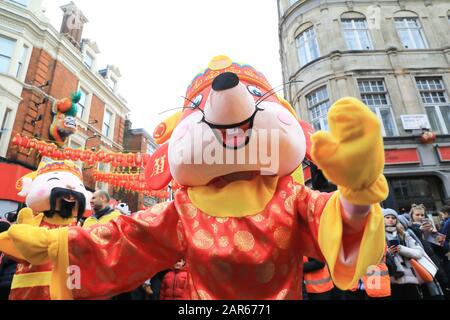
55, 188
232, 125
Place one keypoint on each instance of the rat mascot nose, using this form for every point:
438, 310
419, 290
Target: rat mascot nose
229, 102
225, 81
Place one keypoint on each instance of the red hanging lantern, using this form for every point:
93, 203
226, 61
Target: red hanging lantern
101, 155
76, 154
88, 155
17, 140
138, 159
67, 153
25, 141
58, 155
40, 145
428, 137
130, 160
109, 158
32, 144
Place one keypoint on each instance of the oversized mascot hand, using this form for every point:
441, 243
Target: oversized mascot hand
33, 243
351, 155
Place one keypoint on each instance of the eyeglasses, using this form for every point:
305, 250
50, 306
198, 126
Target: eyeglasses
421, 206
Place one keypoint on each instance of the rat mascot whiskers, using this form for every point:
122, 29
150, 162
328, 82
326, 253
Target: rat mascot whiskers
56, 197
242, 228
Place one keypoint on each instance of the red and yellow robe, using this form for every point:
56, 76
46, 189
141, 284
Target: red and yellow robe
33, 282
252, 257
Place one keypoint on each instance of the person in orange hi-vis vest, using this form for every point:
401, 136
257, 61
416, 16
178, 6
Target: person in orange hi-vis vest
317, 280
376, 284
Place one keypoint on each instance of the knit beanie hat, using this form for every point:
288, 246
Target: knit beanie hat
390, 212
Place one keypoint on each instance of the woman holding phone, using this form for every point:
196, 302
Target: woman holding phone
423, 227
401, 249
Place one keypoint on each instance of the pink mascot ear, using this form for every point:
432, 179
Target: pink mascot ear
157, 172
308, 131
26, 186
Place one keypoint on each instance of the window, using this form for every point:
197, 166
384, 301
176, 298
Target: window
308, 48
410, 33
150, 148
357, 34
22, 61
5, 122
82, 104
6, 52
107, 123
376, 97
112, 83
426, 190
436, 103
88, 60
21, 2
319, 104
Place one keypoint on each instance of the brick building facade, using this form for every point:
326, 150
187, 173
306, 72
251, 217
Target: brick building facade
38, 62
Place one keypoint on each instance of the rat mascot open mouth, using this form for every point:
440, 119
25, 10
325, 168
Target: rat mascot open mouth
242, 227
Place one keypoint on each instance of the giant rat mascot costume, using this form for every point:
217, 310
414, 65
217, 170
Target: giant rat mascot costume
243, 227
56, 197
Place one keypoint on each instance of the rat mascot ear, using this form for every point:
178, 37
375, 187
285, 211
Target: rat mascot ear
164, 130
157, 172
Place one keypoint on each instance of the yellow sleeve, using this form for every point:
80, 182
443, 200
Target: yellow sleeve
7, 247
331, 237
25, 216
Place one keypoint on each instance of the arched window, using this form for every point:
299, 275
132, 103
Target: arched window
318, 105
410, 30
356, 32
307, 46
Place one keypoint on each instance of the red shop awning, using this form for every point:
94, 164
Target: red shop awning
9, 174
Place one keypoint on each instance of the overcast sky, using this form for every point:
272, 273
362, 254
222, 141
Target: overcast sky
160, 46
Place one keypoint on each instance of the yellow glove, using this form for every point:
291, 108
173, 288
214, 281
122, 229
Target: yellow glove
351, 155
26, 216
35, 244
7, 246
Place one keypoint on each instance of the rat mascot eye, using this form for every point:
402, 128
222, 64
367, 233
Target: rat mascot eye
196, 102
255, 91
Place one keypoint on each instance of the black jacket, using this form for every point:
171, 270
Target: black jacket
7, 271
312, 265
428, 248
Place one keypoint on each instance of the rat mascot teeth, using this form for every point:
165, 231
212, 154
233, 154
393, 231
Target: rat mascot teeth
240, 220
55, 197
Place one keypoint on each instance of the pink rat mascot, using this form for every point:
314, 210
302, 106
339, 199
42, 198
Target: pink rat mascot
241, 220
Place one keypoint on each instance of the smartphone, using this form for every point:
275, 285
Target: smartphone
393, 243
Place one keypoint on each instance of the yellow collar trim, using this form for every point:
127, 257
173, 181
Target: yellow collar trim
57, 220
235, 200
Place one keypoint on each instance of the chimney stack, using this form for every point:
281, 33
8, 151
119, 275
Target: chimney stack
73, 23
